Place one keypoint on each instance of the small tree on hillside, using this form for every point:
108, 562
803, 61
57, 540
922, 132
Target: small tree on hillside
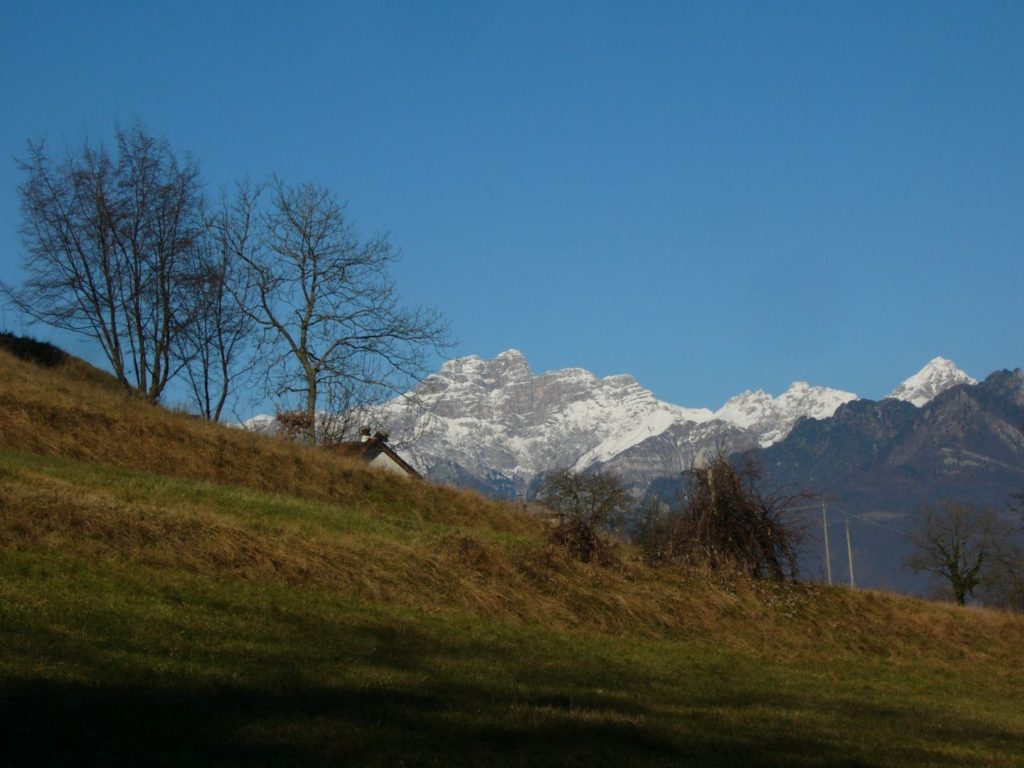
728, 522
654, 529
217, 347
963, 547
587, 504
1003, 586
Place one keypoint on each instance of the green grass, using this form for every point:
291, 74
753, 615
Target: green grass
112, 663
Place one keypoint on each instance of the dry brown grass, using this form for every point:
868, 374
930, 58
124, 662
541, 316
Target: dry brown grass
452, 569
73, 410
453, 554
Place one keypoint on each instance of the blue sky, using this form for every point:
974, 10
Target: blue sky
711, 196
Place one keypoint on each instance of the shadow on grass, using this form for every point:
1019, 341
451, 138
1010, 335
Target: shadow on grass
338, 687
39, 352
68, 724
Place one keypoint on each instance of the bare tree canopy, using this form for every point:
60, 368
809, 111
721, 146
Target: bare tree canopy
728, 521
968, 549
599, 499
108, 240
335, 334
217, 345
587, 504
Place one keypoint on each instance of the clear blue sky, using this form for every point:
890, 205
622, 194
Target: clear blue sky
711, 196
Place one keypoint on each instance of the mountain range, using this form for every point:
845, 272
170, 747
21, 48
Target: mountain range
497, 426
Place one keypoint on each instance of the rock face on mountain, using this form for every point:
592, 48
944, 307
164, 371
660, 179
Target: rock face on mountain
891, 456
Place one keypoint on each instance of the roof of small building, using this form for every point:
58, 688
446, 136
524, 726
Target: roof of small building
369, 448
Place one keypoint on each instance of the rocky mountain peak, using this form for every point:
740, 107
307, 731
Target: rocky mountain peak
771, 418
495, 419
938, 375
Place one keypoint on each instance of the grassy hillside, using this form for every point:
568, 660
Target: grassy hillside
178, 593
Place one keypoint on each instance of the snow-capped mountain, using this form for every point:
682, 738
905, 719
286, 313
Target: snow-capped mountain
936, 377
771, 418
496, 425
497, 421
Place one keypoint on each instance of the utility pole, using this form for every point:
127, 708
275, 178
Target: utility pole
824, 527
849, 549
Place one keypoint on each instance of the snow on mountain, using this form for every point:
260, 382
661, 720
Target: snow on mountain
935, 378
486, 416
497, 426
771, 418
263, 423
496, 418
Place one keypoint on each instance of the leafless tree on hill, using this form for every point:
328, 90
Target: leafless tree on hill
332, 322
109, 241
725, 522
588, 504
732, 522
968, 549
218, 346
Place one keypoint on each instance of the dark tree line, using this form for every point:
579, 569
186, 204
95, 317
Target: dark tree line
123, 246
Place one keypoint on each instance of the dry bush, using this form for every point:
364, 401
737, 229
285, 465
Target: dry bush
33, 351
582, 541
587, 505
728, 523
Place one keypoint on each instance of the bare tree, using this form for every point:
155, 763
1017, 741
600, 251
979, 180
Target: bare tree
212, 348
654, 530
962, 546
1003, 583
727, 521
587, 503
333, 326
599, 499
108, 239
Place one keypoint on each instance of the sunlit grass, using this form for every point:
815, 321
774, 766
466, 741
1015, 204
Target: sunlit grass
176, 593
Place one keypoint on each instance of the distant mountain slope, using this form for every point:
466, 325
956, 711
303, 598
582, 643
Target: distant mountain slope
892, 456
879, 462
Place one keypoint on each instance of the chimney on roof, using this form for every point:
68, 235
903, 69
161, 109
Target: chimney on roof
382, 436
364, 434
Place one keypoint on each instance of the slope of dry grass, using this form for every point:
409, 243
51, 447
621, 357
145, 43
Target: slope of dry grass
147, 557
73, 410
